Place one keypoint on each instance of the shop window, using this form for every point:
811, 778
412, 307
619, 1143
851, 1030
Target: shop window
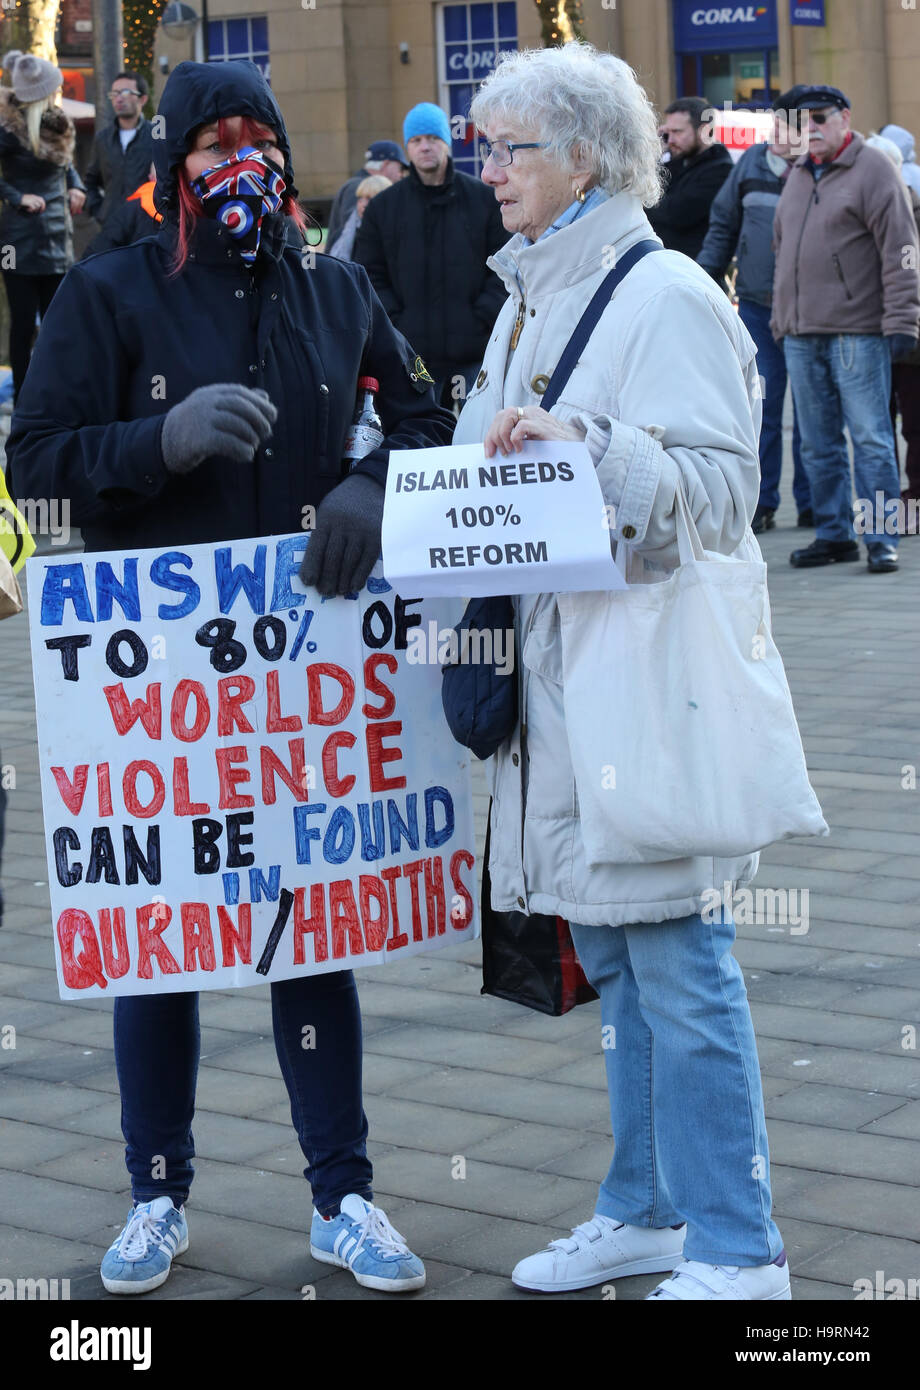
240, 38
470, 38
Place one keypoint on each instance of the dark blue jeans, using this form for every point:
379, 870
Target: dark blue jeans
771, 364
839, 380
157, 1045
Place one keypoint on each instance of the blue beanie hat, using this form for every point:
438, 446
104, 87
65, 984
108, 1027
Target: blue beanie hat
426, 119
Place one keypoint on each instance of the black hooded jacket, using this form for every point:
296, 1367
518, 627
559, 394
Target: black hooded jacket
425, 249
124, 340
681, 219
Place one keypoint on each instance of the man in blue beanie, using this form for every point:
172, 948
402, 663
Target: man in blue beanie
424, 243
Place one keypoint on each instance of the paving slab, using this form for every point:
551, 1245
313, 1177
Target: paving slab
517, 1097
817, 1147
903, 1122
839, 1107
879, 1208
861, 1256
486, 1187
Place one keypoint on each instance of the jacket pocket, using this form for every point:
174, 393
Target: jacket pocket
840, 275
321, 403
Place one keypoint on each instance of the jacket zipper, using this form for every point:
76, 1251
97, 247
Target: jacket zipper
518, 325
798, 249
836, 260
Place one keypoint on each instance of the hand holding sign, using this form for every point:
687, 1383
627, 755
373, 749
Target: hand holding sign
458, 521
512, 427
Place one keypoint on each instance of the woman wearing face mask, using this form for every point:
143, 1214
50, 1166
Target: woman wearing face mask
197, 386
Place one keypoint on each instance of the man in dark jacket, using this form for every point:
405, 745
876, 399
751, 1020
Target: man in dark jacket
424, 243
695, 172
741, 226
846, 305
123, 152
137, 217
382, 157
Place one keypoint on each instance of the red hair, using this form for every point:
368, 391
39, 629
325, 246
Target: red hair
190, 208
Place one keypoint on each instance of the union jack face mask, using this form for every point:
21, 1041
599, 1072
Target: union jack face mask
239, 192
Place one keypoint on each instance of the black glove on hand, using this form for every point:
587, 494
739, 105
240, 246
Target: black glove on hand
226, 419
345, 544
900, 345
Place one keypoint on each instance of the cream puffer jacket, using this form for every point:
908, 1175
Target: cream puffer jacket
668, 392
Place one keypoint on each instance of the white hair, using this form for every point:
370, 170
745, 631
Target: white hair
577, 99
881, 142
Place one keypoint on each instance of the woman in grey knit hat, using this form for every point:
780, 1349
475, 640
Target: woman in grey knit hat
40, 190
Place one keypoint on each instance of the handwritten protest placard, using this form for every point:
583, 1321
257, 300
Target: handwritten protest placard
242, 782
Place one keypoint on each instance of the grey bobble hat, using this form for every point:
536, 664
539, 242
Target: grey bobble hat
35, 78
9, 61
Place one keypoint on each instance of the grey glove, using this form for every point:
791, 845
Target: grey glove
345, 543
226, 419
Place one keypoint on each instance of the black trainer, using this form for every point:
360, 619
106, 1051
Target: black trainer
882, 558
824, 553
762, 520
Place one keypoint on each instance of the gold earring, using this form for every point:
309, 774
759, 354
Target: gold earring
579, 194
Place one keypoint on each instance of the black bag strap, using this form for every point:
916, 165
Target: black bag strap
591, 317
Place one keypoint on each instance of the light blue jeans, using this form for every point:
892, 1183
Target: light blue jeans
686, 1103
844, 379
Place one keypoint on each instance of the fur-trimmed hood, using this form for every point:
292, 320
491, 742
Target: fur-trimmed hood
56, 142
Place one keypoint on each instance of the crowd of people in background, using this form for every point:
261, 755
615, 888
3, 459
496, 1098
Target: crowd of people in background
801, 231
804, 231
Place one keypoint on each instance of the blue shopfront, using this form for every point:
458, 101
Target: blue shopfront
727, 53
470, 38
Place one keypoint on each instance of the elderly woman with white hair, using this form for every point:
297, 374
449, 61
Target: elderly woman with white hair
666, 396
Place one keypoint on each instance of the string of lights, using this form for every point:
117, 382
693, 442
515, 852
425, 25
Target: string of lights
140, 19
561, 21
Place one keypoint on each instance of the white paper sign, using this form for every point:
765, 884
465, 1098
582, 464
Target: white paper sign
242, 782
534, 522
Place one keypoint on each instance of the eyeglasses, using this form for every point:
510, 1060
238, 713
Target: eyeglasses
820, 117
124, 92
501, 152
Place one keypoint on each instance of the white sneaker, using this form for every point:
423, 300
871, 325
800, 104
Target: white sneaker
692, 1281
599, 1249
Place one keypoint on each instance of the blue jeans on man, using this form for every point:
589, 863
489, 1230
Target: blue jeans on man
771, 364
844, 379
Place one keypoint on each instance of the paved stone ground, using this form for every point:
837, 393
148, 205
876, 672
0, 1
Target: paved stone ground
520, 1097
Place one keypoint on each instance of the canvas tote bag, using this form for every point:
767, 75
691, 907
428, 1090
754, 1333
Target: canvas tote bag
686, 742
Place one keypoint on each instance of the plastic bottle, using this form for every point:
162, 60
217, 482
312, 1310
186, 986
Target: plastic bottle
365, 434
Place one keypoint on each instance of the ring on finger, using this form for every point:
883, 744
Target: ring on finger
520, 412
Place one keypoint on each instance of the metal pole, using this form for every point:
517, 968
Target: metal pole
108, 54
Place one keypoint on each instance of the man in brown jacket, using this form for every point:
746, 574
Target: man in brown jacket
846, 303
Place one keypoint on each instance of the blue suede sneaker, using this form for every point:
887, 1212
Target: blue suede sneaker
361, 1239
140, 1258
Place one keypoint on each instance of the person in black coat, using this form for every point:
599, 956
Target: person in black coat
196, 387
122, 152
137, 217
425, 242
383, 157
40, 189
694, 174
